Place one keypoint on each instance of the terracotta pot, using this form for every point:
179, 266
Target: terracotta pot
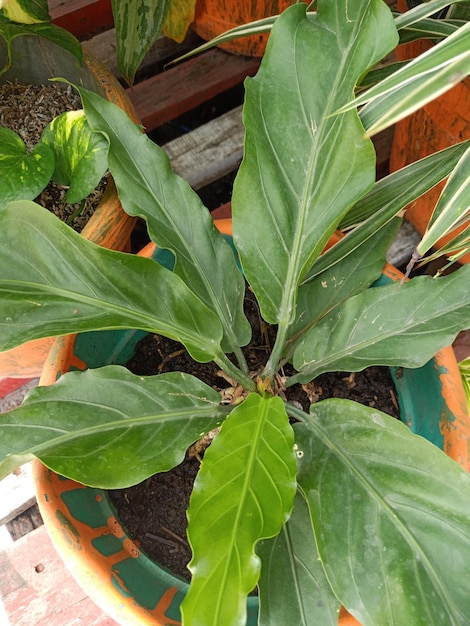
214, 17
122, 580
437, 125
109, 226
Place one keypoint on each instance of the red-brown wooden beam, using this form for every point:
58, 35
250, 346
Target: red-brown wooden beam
175, 91
82, 18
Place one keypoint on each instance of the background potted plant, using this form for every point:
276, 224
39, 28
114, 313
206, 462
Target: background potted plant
390, 546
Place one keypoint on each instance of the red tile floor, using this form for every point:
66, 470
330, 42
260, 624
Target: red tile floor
35, 587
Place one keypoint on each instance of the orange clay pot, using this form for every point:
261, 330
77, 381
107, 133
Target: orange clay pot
109, 226
438, 125
214, 17
109, 565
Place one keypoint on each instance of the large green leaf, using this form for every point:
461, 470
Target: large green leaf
293, 588
55, 282
303, 167
244, 492
23, 174
176, 218
81, 156
398, 324
390, 515
138, 25
107, 427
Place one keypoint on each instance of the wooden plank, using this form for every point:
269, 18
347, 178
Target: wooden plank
165, 96
210, 151
82, 17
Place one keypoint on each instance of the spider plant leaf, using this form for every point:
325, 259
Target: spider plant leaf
412, 86
453, 206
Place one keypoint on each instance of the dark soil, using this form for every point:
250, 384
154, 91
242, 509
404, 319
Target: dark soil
154, 512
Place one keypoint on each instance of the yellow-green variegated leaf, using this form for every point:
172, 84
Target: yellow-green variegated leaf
179, 17
80, 154
25, 11
23, 174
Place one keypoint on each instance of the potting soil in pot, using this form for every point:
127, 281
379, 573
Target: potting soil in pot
154, 512
27, 110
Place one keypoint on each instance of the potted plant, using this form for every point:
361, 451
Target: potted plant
438, 124
384, 512
33, 54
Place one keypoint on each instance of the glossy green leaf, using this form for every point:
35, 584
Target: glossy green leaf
293, 588
55, 282
25, 11
107, 427
398, 324
177, 220
138, 25
390, 515
81, 156
419, 82
244, 492
23, 174
452, 207
296, 193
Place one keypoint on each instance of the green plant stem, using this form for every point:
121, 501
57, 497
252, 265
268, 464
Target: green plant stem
242, 364
277, 353
234, 372
293, 411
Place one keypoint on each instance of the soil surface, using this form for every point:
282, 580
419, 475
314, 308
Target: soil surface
154, 512
27, 110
